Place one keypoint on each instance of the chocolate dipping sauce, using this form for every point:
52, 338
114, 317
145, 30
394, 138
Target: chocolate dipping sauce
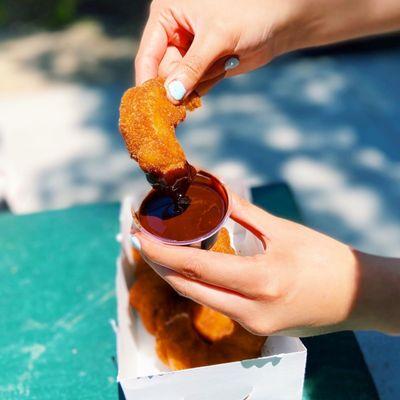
202, 210
175, 183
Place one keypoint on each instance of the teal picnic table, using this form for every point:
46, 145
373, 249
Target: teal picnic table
57, 298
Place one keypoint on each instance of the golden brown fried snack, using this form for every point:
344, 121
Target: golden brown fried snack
147, 123
240, 345
223, 243
211, 324
153, 298
179, 346
187, 334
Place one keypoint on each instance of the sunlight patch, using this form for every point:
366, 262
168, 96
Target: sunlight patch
306, 173
283, 138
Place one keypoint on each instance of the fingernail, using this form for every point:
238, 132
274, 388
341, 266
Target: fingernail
176, 90
136, 243
231, 63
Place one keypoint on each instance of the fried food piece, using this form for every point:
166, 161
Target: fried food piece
154, 300
140, 264
147, 123
223, 243
239, 345
187, 334
211, 324
179, 346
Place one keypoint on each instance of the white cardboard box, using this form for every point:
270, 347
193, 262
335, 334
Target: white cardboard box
277, 375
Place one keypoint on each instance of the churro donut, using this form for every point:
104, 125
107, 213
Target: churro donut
147, 123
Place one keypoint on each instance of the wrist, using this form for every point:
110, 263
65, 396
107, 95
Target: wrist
377, 300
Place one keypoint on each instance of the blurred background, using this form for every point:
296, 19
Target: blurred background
326, 121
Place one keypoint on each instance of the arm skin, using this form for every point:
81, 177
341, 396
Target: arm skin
379, 294
337, 20
190, 40
305, 283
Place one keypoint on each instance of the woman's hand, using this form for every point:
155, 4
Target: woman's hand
189, 42
305, 283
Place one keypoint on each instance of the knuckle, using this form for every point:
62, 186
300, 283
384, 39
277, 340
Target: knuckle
182, 287
259, 276
273, 290
268, 284
192, 268
165, 69
263, 328
193, 66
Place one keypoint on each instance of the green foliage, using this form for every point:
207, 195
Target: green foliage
58, 13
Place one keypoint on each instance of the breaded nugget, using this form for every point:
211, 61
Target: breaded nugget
147, 123
223, 243
211, 324
179, 346
153, 298
239, 345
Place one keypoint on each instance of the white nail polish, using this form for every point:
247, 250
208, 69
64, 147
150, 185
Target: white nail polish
176, 90
136, 243
231, 63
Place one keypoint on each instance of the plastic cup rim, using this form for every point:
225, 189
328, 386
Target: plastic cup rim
191, 241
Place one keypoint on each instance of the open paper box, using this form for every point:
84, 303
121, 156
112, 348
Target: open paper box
277, 374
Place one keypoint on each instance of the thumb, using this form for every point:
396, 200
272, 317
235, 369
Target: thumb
202, 54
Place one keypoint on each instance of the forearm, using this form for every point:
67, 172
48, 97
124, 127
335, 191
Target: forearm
320, 22
377, 305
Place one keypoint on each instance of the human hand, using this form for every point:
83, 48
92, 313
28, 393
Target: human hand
304, 283
189, 41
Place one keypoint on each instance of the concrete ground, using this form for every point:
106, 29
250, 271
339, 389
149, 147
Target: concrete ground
327, 123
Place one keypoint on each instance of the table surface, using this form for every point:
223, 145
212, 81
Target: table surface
57, 272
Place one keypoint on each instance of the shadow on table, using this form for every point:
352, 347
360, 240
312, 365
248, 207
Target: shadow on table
121, 395
336, 369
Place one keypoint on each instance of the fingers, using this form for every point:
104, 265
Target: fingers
261, 223
234, 273
170, 61
226, 302
224, 66
203, 52
173, 57
204, 87
151, 51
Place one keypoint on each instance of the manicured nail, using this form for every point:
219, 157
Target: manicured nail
176, 90
136, 243
231, 63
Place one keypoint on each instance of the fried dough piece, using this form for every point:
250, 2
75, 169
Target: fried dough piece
223, 243
155, 300
147, 123
239, 345
211, 324
179, 346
